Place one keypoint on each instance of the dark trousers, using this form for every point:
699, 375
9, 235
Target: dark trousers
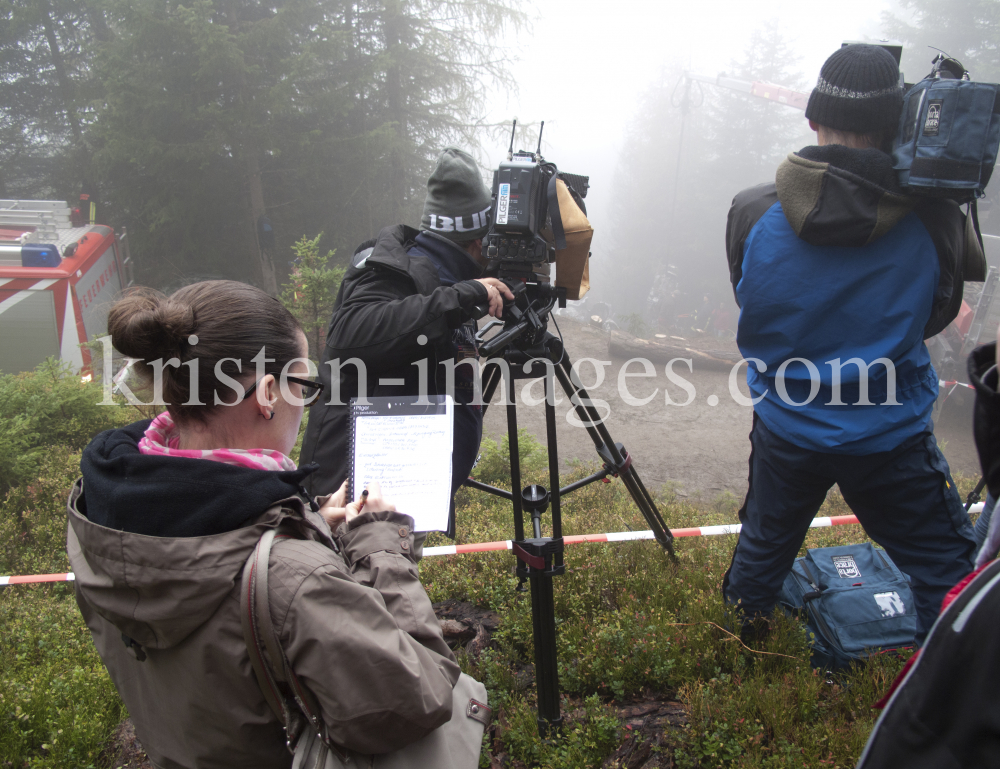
904, 498
465, 451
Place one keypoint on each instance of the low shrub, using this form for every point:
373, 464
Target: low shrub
45, 408
631, 624
33, 517
57, 704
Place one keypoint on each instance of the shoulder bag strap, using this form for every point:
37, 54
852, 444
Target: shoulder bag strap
251, 632
261, 605
279, 670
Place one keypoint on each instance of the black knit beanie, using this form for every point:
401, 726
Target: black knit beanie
858, 91
457, 204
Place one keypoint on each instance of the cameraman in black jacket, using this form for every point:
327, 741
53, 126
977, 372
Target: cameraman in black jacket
404, 310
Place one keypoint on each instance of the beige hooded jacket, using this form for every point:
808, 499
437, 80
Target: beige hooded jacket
350, 612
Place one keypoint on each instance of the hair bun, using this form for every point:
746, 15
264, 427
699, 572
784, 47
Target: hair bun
145, 324
178, 323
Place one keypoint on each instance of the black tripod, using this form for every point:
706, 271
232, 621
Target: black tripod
523, 343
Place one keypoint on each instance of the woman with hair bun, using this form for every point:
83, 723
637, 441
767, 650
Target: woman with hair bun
168, 511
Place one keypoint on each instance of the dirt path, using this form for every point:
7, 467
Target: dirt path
700, 448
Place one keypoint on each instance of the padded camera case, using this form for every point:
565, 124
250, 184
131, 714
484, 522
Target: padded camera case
948, 137
856, 601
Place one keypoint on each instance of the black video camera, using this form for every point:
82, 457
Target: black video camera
524, 202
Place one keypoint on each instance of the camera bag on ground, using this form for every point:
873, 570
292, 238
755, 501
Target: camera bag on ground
856, 602
948, 138
454, 745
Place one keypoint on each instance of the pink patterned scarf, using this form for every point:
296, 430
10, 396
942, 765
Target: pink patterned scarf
163, 438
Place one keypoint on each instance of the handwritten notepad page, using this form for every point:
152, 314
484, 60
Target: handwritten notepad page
407, 448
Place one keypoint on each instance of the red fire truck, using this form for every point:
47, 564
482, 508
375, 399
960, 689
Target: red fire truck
57, 283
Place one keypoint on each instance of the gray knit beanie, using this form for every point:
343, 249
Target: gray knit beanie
458, 204
858, 91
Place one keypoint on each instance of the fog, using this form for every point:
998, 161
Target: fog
585, 68
217, 169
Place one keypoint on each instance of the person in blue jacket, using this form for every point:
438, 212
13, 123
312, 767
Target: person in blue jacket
840, 276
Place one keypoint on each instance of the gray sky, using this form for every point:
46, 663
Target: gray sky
583, 65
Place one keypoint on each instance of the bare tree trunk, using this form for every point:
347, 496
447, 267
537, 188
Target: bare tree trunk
255, 192
394, 23
248, 155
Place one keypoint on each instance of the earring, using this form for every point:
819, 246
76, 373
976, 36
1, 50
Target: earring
271, 415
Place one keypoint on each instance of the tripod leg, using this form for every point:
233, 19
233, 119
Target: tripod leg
515, 462
543, 614
490, 383
648, 509
588, 419
552, 445
623, 467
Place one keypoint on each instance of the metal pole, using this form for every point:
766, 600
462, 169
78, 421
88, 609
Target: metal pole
552, 445
515, 461
543, 615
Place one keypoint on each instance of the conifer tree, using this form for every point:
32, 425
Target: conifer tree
311, 291
218, 130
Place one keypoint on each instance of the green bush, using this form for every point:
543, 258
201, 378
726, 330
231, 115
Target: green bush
311, 291
493, 466
630, 623
57, 704
585, 741
44, 408
33, 517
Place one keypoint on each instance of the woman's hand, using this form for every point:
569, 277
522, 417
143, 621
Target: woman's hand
336, 513
374, 503
333, 509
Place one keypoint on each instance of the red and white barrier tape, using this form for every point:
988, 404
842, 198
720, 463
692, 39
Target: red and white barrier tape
32, 578
575, 539
942, 383
624, 536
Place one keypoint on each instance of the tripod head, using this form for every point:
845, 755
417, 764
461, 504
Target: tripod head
525, 318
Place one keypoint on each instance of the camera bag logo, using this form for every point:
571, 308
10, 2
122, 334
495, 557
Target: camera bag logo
932, 123
890, 604
846, 567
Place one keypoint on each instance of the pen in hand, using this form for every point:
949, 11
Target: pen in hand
364, 498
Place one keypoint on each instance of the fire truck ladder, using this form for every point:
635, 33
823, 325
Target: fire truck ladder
43, 218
